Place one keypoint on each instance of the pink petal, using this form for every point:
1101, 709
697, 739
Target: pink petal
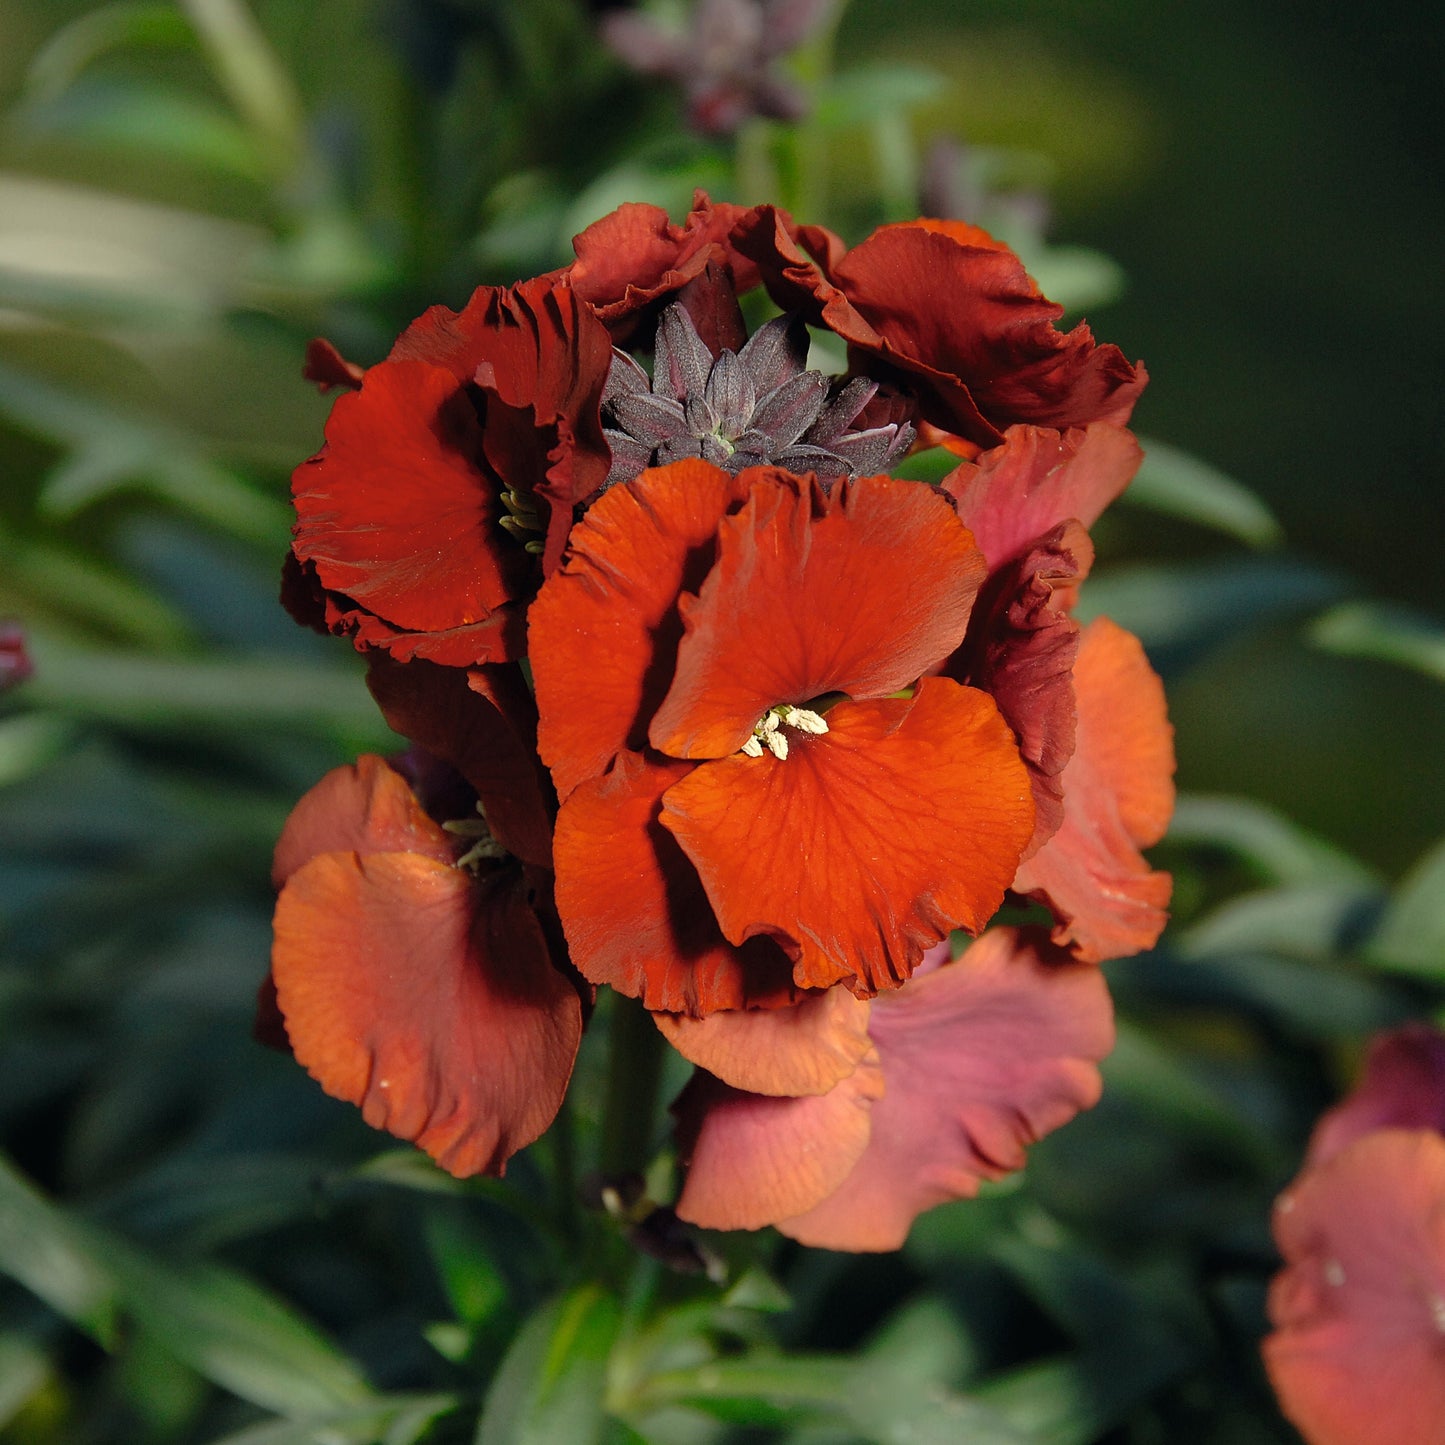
980, 1059
1358, 1352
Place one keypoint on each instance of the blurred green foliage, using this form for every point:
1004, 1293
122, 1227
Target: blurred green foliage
199, 1246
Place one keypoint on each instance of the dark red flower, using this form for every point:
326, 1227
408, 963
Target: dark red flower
681, 656
942, 309
480, 430
15, 663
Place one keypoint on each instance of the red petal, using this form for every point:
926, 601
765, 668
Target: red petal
540, 358
980, 1059
635, 255
1021, 648
959, 321
482, 723
1118, 796
396, 514
1013, 495
1358, 1352
364, 808
328, 368
867, 845
857, 592
806, 1049
428, 998
753, 1160
634, 910
1403, 1088
604, 629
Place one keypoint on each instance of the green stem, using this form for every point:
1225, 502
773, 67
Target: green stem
633, 1078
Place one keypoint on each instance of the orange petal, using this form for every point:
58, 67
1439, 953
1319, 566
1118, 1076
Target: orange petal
868, 844
1357, 1356
366, 807
1037, 478
427, 998
1118, 796
753, 1160
980, 1059
806, 1049
604, 628
633, 908
860, 590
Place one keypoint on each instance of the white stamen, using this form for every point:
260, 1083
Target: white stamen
768, 730
771, 722
777, 745
753, 747
806, 721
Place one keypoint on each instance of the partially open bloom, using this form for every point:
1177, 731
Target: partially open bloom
1358, 1349
706, 707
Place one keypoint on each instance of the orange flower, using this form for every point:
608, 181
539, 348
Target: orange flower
1358, 1349
759, 795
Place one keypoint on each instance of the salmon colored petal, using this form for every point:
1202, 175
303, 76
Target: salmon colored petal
634, 910
604, 628
1403, 1087
635, 255
1015, 493
1021, 648
481, 721
1357, 1356
866, 845
806, 1049
1118, 796
753, 1160
858, 591
396, 512
427, 998
366, 807
980, 1059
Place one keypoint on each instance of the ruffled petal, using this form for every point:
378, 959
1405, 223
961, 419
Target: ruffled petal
1118, 797
806, 1049
635, 255
752, 1160
1403, 1087
634, 910
1357, 1355
396, 513
1020, 648
1015, 493
868, 844
482, 722
365, 807
957, 320
980, 1059
427, 998
858, 591
604, 628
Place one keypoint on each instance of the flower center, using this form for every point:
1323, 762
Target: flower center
768, 730
485, 848
757, 406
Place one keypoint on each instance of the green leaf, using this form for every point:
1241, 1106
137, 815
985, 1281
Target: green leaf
389, 1420
1384, 631
794, 1388
1077, 277
29, 742
55, 1257
1189, 605
1280, 850
1308, 920
551, 1385
1411, 934
858, 97
24, 1371
1180, 485
74, 47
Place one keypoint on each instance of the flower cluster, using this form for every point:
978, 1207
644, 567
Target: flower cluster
707, 708
1358, 1349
